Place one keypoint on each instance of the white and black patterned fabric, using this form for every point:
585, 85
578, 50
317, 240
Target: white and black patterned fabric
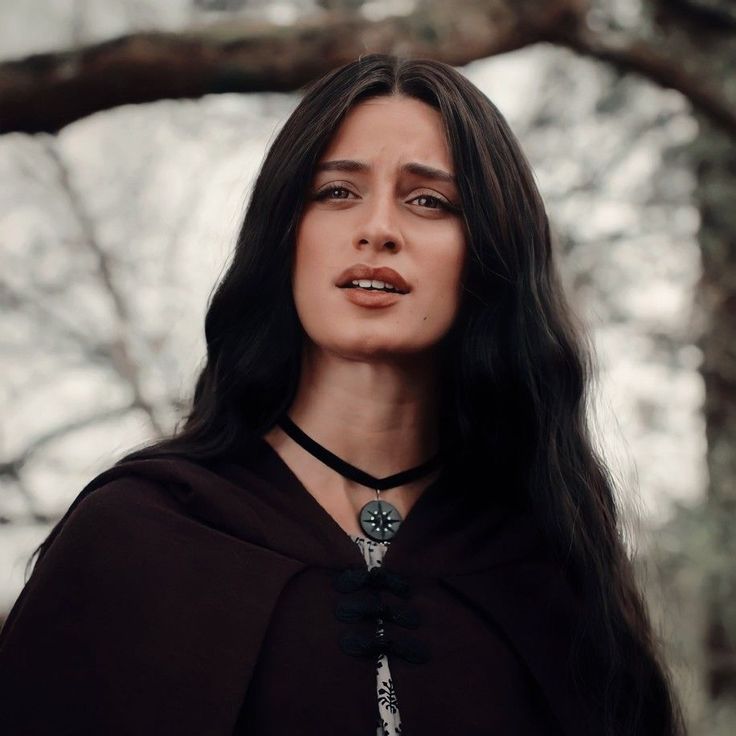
389, 722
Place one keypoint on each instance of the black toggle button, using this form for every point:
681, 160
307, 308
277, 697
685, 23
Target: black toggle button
354, 578
350, 579
358, 644
407, 617
356, 609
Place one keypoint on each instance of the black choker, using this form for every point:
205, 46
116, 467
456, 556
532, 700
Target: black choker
379, 519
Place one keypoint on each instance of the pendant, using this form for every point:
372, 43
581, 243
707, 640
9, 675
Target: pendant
380, 520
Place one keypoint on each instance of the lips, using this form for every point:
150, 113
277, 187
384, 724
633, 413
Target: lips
380, 273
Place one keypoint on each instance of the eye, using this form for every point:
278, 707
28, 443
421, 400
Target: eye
434, 202
329, 190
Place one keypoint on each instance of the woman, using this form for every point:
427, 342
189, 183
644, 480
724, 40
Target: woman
383, 510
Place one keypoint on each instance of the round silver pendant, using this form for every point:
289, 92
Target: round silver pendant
380, 520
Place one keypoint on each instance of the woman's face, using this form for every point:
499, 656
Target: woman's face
381, 197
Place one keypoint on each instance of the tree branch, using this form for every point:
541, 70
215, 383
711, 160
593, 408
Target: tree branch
45, 92
644, 59
13, 466
120, 353
708, 15
10, 470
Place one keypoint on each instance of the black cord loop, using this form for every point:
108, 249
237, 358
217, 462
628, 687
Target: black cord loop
354, 578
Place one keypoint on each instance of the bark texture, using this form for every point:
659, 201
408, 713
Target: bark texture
703, 34
45, 92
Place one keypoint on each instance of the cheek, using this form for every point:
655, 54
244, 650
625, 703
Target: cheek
445, 270
451, 269
443, 292
311, 257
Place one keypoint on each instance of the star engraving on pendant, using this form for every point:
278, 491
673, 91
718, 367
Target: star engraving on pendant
377, 518
381, 520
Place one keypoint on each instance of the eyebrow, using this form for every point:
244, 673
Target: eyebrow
428, 172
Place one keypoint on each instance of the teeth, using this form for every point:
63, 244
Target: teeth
373, 284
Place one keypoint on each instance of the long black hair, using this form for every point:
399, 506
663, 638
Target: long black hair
517, 362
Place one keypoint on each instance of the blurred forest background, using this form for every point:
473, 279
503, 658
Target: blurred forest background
130, 133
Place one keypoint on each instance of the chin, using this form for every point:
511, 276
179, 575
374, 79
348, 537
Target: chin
358, 340
376, 349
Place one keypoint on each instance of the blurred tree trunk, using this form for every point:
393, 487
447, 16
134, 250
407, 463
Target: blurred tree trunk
715, 167
704, 34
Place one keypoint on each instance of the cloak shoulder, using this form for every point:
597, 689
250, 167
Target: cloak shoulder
133, 620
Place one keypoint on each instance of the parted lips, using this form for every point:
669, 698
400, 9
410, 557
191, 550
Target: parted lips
362, 272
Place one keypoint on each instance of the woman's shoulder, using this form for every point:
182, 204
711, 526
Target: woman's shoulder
134, 580
126, 495
132, 511
120, 491
158, 508
132, 535
116, 521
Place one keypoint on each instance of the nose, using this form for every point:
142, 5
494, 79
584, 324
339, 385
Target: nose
380, 225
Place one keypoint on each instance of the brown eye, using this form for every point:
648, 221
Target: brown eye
438, 203
327, 191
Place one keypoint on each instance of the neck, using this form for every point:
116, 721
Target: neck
379, 416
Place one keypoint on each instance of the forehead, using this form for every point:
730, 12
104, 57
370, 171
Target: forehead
395, 128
